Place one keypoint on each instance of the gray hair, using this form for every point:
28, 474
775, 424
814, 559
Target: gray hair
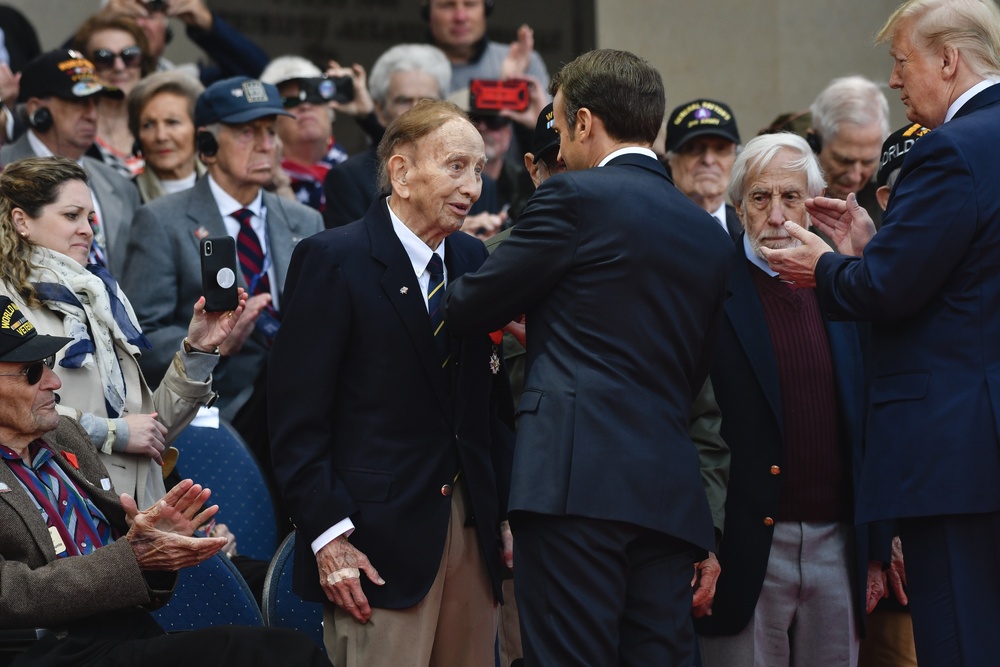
849, 99
758, 153
971, 26
409, 58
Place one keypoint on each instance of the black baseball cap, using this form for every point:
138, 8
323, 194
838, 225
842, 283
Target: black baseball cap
19, 341
700, 118
895, 148
63, 73
545, 137
239, 99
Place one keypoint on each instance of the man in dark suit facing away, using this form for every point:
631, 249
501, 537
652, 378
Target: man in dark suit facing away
621, 279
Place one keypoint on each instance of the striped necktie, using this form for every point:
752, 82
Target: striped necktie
435, 306
251, 254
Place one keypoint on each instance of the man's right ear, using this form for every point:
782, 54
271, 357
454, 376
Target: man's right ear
397, 167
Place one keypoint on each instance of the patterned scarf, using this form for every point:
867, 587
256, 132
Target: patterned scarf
96, 315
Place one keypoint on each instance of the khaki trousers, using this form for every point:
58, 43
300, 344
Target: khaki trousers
454, 625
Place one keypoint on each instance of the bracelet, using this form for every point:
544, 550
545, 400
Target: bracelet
188, 348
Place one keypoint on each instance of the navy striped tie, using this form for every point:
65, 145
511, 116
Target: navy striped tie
251, 254
435, 306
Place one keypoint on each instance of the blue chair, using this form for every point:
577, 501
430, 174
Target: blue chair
282, 607
219, 459
209, 594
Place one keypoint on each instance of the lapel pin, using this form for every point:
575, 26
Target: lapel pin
201, 233
4, 488
404, 290
494, 363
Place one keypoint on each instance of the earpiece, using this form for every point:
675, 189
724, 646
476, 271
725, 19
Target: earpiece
815, 141
41, 120
425, 9
206, 143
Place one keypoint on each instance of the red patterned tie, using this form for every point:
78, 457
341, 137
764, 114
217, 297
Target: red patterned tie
250, 254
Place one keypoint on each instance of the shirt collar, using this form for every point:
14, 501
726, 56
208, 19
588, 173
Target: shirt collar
40, 149
756, 259
720, 215
968, 95
628, 150
227, 205
418, 251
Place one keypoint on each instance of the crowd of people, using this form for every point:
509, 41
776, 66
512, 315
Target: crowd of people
582, 382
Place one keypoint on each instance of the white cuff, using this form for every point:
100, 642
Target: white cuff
342, 527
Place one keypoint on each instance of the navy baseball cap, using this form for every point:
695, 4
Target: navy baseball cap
545, 137
237, 100
895, 148
19, 341
700, 118
65, 74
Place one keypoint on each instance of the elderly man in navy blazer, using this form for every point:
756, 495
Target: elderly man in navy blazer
621, 279
929, 281
381, 421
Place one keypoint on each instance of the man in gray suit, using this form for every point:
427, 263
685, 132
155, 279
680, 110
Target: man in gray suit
236, 140
59, 90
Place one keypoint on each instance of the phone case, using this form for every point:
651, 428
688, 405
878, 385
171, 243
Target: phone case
218, 273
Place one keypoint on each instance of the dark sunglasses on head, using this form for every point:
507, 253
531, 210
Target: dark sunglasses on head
33, 371
105, 58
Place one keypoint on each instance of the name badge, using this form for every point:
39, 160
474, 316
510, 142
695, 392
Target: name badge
106, 484
57, 540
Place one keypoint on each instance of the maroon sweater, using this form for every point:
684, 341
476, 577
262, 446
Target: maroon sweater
814, 473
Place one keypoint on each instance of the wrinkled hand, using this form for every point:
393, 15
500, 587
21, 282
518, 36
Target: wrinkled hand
160, 536
847, 223
897, 572
146, 436
222, 530
191, 12
515, 63
333, 559
538, 97
706, 576
362, 104
517, 329
244, 326
207, 330
484, 225
507, 544
797, 265
179, 511
10, 85
876, 585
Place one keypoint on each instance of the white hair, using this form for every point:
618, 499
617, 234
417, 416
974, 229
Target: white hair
849, 99
758, 153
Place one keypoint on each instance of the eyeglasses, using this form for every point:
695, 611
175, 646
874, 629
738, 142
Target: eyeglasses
33, 372
105, 58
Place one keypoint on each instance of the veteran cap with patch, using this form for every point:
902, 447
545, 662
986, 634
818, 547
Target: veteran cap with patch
545, 137
895, 148
63, 73
239, 99
19, 341
700, 118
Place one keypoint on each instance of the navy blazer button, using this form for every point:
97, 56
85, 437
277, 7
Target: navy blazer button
446, 490
775, 470
768, 521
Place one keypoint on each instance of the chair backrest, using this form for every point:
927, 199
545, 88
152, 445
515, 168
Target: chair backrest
219, 459
209, 594
282, 607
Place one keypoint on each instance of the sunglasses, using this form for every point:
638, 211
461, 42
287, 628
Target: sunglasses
33, 372
490, 122
105, 58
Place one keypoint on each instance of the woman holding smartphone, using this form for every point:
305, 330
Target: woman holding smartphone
45, 236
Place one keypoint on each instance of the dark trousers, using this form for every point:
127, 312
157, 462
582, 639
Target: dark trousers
594, 592
133, 639
953, 581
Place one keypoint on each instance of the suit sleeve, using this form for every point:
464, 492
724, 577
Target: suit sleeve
713, 452
302, 389
233, 52
344, 198
539, 251
931, 221
151, 283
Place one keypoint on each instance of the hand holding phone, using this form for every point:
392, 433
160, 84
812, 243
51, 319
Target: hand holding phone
218, 274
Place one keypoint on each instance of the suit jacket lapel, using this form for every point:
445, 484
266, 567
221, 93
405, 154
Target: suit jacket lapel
458, 263
24, 508
280, 237
403, 291
744, 310
202, 215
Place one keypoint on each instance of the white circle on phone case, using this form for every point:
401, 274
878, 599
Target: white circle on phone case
225, 277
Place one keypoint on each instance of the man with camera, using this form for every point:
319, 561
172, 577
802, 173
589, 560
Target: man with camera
236, 141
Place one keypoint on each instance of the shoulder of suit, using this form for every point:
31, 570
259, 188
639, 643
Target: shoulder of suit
294, 211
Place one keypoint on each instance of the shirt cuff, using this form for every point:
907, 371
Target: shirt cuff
198, 366
343, 527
